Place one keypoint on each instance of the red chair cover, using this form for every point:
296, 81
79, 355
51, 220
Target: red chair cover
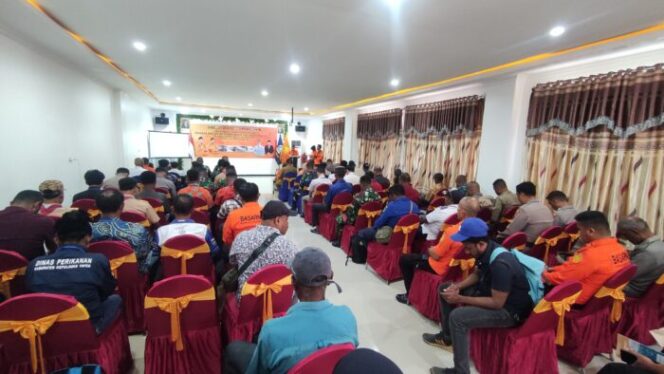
529, 348
451, 220
244, 321
64, 344
159, 208
383, 197
547, 245
199, 328
435, 203
589, 331
132, 285
372, 210
12, 273
423, 295
199, 264
484, 214
327, 224
356, 189
506, 218
421, 245
640, 315
200, 204
323, 360
316, 198
517, 240
89, 206
572, 231
384, 258
202, 217
165, 191
135, 217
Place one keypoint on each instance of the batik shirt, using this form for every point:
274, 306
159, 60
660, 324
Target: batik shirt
366, 196
112, 228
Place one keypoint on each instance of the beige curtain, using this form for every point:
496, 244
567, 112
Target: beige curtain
333, 138
600, 140
379, 139
443, 137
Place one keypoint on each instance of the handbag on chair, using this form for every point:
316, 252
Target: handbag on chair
230, 280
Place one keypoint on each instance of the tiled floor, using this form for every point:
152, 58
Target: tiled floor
384, 325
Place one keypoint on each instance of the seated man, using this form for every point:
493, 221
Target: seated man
438, 186
22, 230
321, 178
409, 190
231, 204
366, 195
532, 217
495, 295
286, 168
54, 194
504, 199
113, 182
595, 262
308, 175
194, 188
94, 179
564, 212
274, 220
312, 324
184, 225
149, 182
138, 167
380, 178
433, 221
129, 189
475, 191
351, 177
437, 261
227, 192
647, 255
245, 218
461, 189
166, 179
339, 185
110, 227
72, 271
397, 207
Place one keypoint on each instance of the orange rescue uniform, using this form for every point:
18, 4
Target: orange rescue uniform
446, 249
199, 192
245, 218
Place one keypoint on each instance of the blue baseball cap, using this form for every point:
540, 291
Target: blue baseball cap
471, 228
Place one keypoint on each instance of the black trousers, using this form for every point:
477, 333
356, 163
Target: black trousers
318, 208
619, 368
408, 263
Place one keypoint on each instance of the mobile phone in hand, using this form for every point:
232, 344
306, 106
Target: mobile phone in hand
628, 357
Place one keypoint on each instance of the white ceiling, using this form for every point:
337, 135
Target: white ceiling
224, 52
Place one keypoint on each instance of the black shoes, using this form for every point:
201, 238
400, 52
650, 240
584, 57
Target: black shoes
437, 340
336, 243
314, 230
437, 370
403, 298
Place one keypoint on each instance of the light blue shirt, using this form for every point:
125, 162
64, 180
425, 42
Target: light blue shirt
306, 328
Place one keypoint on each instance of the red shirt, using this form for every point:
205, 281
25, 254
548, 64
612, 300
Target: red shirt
224, 194
411, 193
25, 232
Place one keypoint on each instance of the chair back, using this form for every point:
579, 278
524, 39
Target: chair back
356, 189
341, 202
323, 360
165, 191
199, 313
506, 217
616, 282
460, 266
484, 214
572, 231
71, 332
12, 273
135, 217
319, 194
267, 293
367, 214
517, 240
544, 317
158, 206
202, 217
383, 197
451, 221
404, 232
122, 259
88, 206
443, 192
547, 245
435, 203
186, 254
200, 204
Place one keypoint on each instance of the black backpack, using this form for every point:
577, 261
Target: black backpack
358, 250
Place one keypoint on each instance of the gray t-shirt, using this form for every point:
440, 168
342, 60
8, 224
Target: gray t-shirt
648, 256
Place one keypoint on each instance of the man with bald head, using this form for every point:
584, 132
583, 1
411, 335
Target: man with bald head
647, 255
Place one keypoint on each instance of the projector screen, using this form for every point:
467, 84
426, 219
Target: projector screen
168, 144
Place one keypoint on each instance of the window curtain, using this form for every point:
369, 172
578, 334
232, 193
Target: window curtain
379, 134
600, 139
333, 138
443, 137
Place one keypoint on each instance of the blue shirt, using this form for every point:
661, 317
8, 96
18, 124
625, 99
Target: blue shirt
73, 271
394, 211
306, 328
113, 228
337, 187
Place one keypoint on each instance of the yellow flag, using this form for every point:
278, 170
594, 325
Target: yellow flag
285, 149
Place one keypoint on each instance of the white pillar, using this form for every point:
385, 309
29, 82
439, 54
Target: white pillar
351, 150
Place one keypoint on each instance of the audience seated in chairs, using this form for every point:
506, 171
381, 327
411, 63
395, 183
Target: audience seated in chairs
366, 195
647, 255
495, 295
94, 179
339, 185
71, 270
438, 259
380, 178
408, 190
22, 230
460, 190
114, 181
597, 261
246, 217
564, 212
110, 227
227, 207
438, 186
166, 180
321, 178
309, 325
301, 190
286, 168
351, 177
149, 182
228, 191
53, 192
195, 189
432, 222
532, 217
504, 199
129, 189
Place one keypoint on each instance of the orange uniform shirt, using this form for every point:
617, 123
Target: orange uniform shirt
224, 194
199, 192
318, 157
245, 218
592, 265
446, 249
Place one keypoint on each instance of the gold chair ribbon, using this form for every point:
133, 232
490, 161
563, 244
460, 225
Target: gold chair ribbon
573, 237
520, 247
119, 261
6, 277
159, 209
559, 307
267, 290
406, 230
342, 207
319, 193
618, 298
660, 280
548, 243
370, 214
184, 255
33, 331
202, 208
465, 264
174, 306
94, 213
145, 223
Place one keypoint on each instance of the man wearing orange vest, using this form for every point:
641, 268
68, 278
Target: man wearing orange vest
245, 218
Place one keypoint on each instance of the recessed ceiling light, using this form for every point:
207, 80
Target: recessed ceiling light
394, 82
203, 110
178, 98
264, 93
139, 46
294, 68
166, 83
557, 31
306, 108
240, 114
250, 104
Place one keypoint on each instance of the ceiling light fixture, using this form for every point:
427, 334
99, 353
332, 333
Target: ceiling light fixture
394, 82
166, 83
294, 68
264, 93
250, 104
557, 31
178, 98
139, 46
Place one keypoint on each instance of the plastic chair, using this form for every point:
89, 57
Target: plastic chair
512, 350
365, 217
135, 217
187, 254
384, 258
88, 206
132, 285
244, 320
643, 314
12, 273
316, 198
547, 245
69, 341
328, 220
196, 321
589, 330
517, 240
323, 360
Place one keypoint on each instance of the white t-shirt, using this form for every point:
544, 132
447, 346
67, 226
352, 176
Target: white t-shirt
436, 219
352, 178
317, 182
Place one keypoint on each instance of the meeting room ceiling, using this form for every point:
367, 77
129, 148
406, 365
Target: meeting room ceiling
225, 52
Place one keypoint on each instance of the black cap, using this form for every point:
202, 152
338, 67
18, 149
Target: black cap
274, 209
